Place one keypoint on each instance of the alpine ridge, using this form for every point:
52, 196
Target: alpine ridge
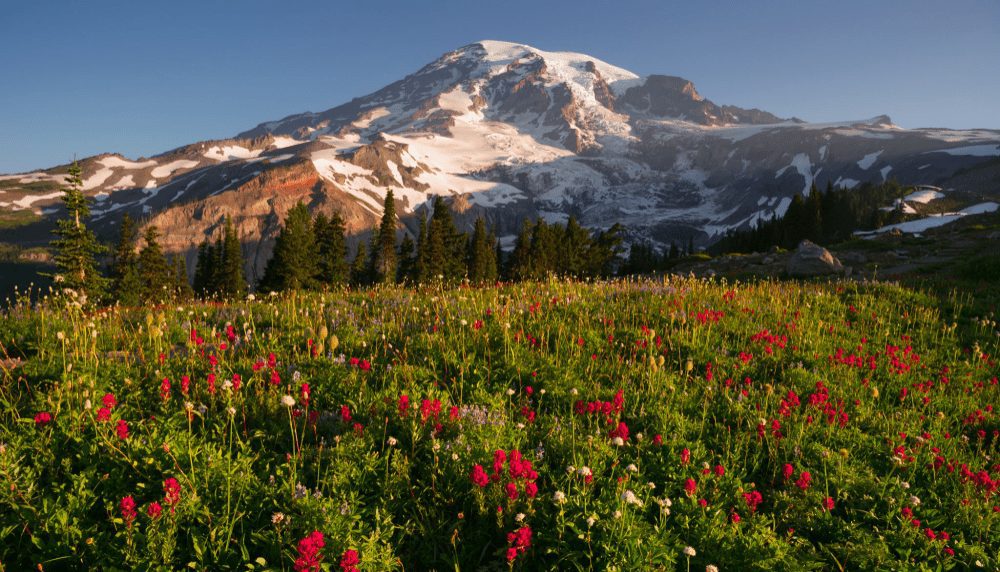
506, 131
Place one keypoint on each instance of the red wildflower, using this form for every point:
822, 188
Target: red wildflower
753, 500
828, 503
531, 489
349, 561
309, 557
109, 400
103, 414
165, 389
658, 440
510, 489
788, 471
185, 385
211, 383
43, 418
690, 487
404, 405
479, 476
127, 506
171, 492
154, 510
345, 413
685, 456
122, 429
804, 480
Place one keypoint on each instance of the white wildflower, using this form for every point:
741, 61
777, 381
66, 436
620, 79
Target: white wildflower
689, 551
391, 441
288, 401
559, 497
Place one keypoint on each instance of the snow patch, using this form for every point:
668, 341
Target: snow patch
229, 153
868, 160
971, 151
923, 196
167, 169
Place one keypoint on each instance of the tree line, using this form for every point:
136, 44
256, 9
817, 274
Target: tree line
825, 217
311, 253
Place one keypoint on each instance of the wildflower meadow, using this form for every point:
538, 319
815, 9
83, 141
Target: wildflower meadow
669, 424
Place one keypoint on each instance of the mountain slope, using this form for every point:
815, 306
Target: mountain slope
508, 131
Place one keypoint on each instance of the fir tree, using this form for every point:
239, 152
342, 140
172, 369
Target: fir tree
182, 288
76, 245
519, 264
331, 249
293, 266
359, 268
204, 269
445, 253
384, 249
407, 257
155, 273
230, 281
482, 260
124, 272
572, 249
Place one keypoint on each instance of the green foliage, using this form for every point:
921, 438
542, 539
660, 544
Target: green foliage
294, 264
76, 247
331, 248
157, 277
823, 217
720, 383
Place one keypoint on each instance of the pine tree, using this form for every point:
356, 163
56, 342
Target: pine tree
572, 249
606, 251
445, 255
482, 262
231, 281
124, 264
359, 268
420, 271
384, 249
294, 264
331, 249
182, 288
674, 253
204, 269
543, 250
407, 257
155, 273
76, 245
519, 265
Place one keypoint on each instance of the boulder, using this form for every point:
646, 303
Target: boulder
812, 260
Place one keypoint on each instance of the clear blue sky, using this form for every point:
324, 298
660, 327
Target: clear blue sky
142, 77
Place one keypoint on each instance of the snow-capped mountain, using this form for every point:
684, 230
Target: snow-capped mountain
510, 131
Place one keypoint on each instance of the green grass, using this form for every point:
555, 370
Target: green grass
864, 386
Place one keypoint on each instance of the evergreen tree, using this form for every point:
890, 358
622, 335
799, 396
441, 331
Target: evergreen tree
294, 264
76, 245
519, 264
204, 269
384, 247
606, 251
420, 271
573, 248
182, 288
155, 273
674, 252
543, 250
445, 253
231, 282
359, 268
331, 249
124, 272
482, 262
407, 257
